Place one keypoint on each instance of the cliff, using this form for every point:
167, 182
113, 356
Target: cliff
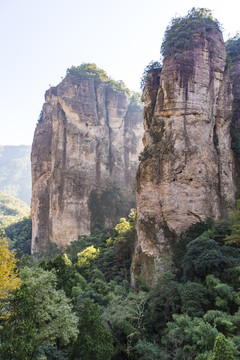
187, 169
84, 157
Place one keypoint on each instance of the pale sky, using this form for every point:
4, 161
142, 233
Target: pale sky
40, 39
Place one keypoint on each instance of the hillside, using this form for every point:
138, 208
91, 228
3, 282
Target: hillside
11, 209
15, 171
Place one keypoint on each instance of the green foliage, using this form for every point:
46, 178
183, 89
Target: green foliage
40, 313
19, 235
91, 71
165, 299
189, 337
234, 237
153, 67
180, 34
221, 349
115, 249
11, 209
67, 277
203, 256
233, 47
226, 299
143, 154
192, 233
125, 316
148, 350
195, 298
87, 257
94, 340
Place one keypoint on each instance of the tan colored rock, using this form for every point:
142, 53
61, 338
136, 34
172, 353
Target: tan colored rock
84, 160
186, 173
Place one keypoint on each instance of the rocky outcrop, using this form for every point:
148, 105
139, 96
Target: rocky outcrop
186, 171
84, 160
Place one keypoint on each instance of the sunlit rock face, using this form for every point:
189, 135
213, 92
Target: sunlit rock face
187, 166
84, 160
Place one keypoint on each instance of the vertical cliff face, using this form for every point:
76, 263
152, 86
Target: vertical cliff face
233, 50
84, 160
186, 172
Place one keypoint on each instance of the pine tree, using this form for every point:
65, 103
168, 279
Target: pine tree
221, 350
94, 340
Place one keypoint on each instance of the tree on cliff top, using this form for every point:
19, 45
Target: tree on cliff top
179, 35
91, 71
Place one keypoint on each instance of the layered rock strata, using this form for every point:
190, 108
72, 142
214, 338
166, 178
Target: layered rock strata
84, 160
186, 171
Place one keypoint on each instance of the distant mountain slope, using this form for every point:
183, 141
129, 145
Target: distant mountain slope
15, 171
11, 209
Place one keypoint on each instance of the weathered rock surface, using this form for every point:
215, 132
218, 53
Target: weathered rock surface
235, 125
186, 172
84, 160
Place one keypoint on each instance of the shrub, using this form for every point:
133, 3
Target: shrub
179, 35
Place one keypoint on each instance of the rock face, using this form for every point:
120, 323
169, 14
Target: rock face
84, 160
235, 125
187, 166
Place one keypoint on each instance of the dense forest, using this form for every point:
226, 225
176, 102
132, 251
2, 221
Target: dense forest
78, 303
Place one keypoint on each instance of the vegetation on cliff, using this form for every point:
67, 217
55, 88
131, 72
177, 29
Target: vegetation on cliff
233, 47
91, 71
179, 35
154, 67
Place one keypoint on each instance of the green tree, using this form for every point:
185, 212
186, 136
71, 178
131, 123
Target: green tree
39, 314
67, 277
126, 318
148, 350
221, 350
234, 237
203, 256
194, 298
19, 235
87, 257
164, 299
94, 340
188, 338
9, 280
179, 35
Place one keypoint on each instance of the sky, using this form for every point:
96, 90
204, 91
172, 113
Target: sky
40, 39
